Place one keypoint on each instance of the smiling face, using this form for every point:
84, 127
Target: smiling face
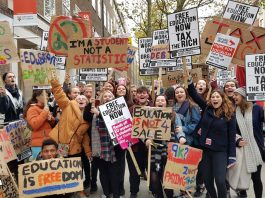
229, 88
108, 87
82, 101
180, 95
201, 86
238, 98
216, 100
107, 96
10, 79
121, 91
160, 101
142, 97
74, 92
49, 152
88, 92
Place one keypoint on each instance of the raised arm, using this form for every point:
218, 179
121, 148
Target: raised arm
59, 95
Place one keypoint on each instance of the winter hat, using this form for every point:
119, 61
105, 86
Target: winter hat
241, 91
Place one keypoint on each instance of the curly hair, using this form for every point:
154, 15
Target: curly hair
227, 108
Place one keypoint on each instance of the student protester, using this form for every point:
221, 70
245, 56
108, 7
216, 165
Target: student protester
110, 157
250, 118
139, 149
159, 153
71, 131
81, 87
229, 87
133, 93
109, 86
217, 133
202, 88
39, 119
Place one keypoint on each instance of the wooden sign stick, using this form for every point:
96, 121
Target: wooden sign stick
44, 98
134, 160
210, 88
184, 72
159, 81
149, 165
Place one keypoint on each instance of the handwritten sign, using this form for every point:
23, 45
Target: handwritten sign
184, 37
97, 53
255, 78
222, 51
8, 50
151, 122
204, 69
241, 12
20, 136
145, 52
181, 168
118, 120
8, 188
48, 177
130, 58
6, 149
251, 40
64, 27
160, 37
36, 66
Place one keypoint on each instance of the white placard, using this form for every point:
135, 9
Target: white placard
164, 63
60, 62
255, 78
160, 37
184, 37
93, 74
145, 52
241, 12
222, 51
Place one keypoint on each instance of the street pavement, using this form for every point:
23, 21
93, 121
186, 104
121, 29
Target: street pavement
144, 193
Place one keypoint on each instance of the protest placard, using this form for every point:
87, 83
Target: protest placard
179, 65
60, 62
64, 27
118, 120
37, 66
6, 148
160, 37
151, 122
95, 74
159, 52
44, 40
149, 72
20, 137
222, 51
97, 53
181, 168
223, 76
196, 74
3, 167
172, 78
251, 40
241, 12
130, 58
184, 37
145, 52
8, 187
255, 78
48, 177
8, 50
204, 68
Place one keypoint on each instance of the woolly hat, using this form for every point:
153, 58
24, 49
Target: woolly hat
241, 91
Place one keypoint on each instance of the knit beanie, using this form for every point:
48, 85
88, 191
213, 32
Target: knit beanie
241, 91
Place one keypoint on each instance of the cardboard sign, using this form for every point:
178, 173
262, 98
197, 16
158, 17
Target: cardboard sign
36, 66
25, 13
6, 148
131, 54
145, 52
196, 74
184, 37
3, 167
160, 37
160, 51
118, 120
241, 12
255, 78
151, 122
251, 40
99, 74
8, 188
181, 168
222, 51
48, 177
204, 68
44, 41
20, 137
8, 50
64, 27
97, 53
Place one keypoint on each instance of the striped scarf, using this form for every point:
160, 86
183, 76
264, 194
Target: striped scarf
251, 150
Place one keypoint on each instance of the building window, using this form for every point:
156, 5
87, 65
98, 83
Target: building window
99, 8
66, 8
76, 10
94, 4
49, 9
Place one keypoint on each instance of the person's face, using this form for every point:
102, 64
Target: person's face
180, 95
88, 92
81, 100
74, 93
41, 98
161, 101
238, 98
121, 91
171, 102
49, 152
81, 88
108, 87
10, 79
107, 97
142, 97
216, 100
230, 87
201, 86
